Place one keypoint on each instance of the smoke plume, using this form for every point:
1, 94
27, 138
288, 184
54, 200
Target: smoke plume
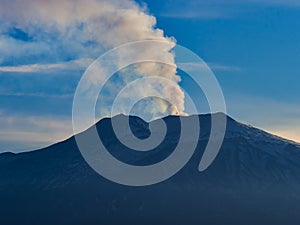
55, 31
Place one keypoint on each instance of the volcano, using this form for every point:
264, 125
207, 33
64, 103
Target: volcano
255, 179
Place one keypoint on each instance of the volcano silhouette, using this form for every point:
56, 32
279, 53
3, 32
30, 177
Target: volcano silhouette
255, 179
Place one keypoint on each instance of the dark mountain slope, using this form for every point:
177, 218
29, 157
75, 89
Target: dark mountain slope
255, 179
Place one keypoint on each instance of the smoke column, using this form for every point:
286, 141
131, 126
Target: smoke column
85, 29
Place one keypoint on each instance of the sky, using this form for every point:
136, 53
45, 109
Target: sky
252, 47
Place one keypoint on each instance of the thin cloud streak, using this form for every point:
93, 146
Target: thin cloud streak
32, 132
40, 95
191, 66
34, 68
216, 9
227, 68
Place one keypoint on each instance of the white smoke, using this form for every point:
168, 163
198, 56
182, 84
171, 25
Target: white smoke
62, 30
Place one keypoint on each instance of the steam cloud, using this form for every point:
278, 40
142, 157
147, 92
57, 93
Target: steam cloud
50, 31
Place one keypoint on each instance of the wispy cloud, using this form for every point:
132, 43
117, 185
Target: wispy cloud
288, 3
191, 13
214, 9
220, 67
33, 68
40, 95
191, 66
25, 132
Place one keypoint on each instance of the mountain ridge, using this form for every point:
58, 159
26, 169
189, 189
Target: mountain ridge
255, 180
229, 118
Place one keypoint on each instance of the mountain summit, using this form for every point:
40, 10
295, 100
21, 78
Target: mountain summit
255, 179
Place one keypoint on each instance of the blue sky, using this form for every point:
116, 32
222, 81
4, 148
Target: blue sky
252, 47
254, 50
